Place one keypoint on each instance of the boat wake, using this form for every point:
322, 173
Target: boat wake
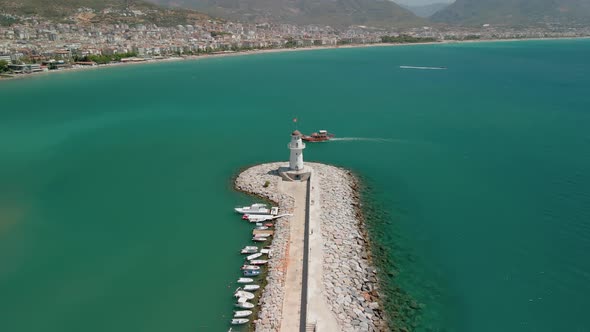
363, 139
423, 68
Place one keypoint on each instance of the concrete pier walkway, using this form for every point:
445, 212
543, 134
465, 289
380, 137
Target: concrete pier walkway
292, 301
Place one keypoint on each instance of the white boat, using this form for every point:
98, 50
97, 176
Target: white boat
265, 251
259, 239
262, 234
253, 256
253, 209
262, 228
260, 217
244, 305
242, 313
239, 321
258, 261
249, 250
245, 280
251, 287
241, 293
250, 267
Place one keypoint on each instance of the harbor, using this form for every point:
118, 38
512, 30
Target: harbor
320, 276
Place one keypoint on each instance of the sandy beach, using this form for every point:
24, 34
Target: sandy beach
265, 51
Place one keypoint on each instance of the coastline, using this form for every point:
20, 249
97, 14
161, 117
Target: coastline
348, 282
276, 50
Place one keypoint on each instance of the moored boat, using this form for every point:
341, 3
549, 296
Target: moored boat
251, 287
251, 273
243, 294
249, 250
256, 208
244, 305
259, 239
239, 321
253, 256
242, 313
258, 261
259, 217
250, 267
245, 280
320, 136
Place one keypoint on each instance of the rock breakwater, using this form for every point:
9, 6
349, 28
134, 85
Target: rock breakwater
350, 284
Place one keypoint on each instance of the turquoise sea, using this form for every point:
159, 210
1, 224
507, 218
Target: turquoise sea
116, 184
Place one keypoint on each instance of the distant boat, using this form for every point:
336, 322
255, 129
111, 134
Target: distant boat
258, 261
251, 273
242, 313
253, 256
320, 136
257, 208
251, 287
244, 305
259, 239
239, 321
262, 235
245, 280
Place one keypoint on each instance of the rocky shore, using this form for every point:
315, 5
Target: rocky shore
349, 280
252, 181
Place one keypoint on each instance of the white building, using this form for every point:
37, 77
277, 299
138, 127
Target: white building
296, 146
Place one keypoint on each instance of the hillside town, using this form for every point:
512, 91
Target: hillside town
34, 44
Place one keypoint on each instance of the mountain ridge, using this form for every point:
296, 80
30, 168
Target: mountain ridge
339, 13
515, 12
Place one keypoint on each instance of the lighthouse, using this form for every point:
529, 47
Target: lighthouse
296, 146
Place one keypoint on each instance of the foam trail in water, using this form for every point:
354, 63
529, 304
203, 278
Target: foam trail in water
423, 68
365, 139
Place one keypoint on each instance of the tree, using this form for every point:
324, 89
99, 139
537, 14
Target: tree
3, 66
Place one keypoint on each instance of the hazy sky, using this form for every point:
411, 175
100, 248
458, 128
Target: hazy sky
421, 2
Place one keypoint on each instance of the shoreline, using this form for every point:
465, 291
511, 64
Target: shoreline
275, 50
344, 271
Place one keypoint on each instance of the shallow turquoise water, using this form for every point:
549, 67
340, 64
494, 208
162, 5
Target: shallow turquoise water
115, 184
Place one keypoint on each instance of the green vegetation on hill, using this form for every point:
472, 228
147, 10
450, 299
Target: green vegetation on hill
515, 12
119, 11
336, 13
405, 39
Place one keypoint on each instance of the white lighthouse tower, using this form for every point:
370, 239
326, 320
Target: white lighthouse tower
296, 146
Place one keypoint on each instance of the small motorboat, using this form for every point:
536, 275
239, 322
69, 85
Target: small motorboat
249, 250
251, 273
259, 239
269, 224
262, 235
239, 321
262, 228
242, 313
257, 208
243, 294
253, 256
258, 261
244, 305
260, 218
265, 251
251, 287
250, 267
245, 280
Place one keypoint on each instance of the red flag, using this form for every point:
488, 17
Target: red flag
294, 119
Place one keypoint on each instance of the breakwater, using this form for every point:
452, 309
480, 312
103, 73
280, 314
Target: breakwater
349, 284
